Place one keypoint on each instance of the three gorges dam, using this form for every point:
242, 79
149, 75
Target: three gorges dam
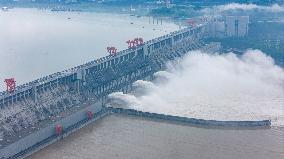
43, 111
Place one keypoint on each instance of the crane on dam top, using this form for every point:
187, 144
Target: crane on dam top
135, 42
111, 50
191, 22
11, 84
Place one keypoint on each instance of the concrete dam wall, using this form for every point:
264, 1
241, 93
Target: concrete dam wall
40, 111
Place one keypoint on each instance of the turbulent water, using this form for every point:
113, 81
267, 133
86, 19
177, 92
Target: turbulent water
35, 43
219, 86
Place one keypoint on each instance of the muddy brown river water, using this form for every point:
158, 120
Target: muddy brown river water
124, 137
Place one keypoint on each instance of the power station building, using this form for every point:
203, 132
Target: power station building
236, 26
216, 29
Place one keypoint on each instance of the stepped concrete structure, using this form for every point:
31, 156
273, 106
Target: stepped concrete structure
45, 110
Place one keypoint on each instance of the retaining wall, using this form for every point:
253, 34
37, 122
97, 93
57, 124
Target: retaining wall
192, 121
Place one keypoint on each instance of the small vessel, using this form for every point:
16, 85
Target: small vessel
4, 8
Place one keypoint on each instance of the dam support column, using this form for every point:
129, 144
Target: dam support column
34, 93
78, 86
80, 79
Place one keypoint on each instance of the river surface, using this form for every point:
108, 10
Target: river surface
123, 137
35, 43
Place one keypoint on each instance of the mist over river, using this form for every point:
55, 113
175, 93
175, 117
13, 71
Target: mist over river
36, 43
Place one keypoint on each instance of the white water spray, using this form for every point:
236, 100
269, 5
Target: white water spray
221, 87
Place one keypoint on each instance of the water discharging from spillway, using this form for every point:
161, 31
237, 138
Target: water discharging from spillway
219, 87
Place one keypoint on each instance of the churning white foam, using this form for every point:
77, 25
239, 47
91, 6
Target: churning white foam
221, 87
118, 99
147, 85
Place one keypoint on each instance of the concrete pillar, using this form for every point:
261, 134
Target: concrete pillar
78, 86
34, 93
